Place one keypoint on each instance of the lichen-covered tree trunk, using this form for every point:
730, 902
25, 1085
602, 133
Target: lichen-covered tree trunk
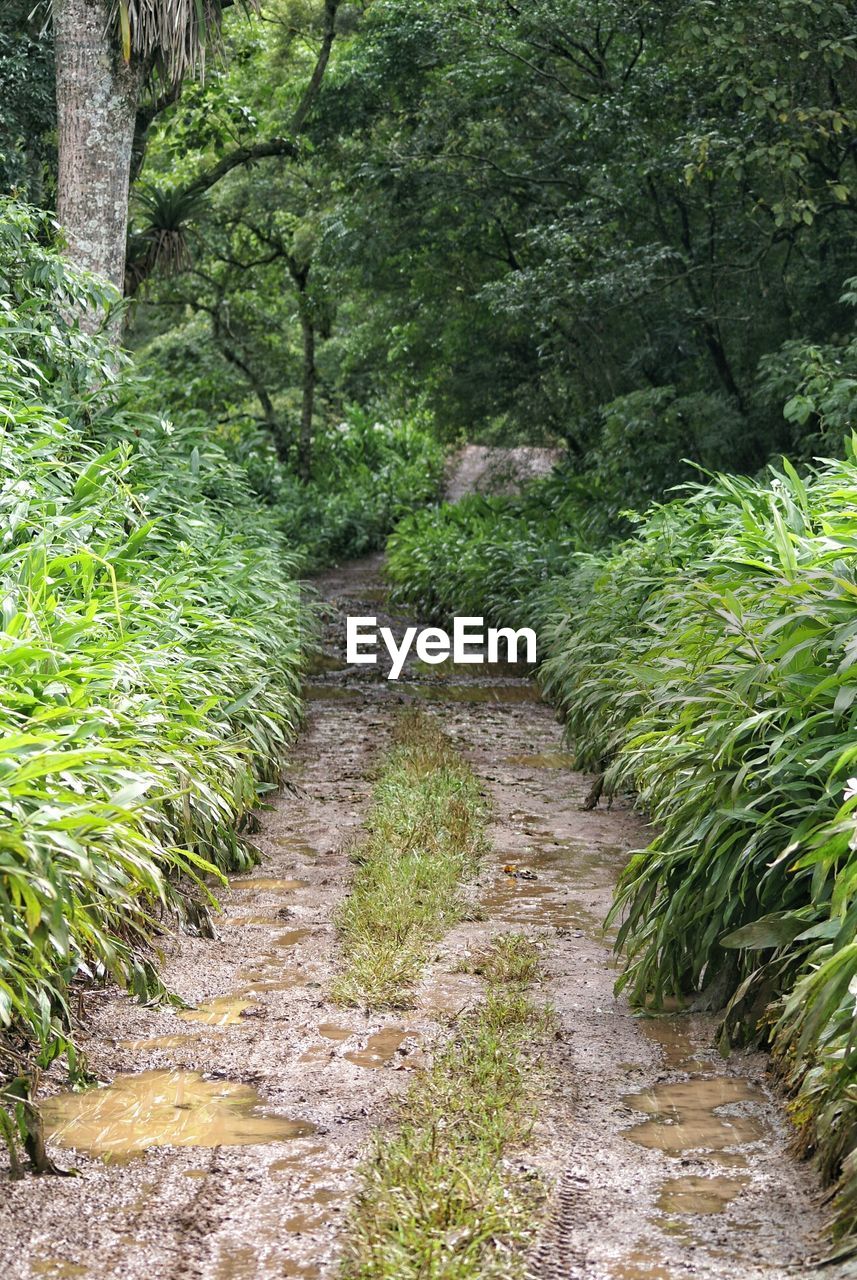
96, 106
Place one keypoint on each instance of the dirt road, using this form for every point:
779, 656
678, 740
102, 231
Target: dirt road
226, 1146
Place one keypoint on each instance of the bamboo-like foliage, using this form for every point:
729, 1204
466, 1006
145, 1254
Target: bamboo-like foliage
487, 555
149, 661
712, 660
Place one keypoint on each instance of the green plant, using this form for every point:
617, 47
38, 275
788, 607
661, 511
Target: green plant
150, 656
425, 836
437, 1196
488, 556
709, 662
367, 475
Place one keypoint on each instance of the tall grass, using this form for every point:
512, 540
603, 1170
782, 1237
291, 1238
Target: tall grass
149, 660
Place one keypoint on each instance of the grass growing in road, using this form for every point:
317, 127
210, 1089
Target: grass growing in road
438, 1198
425, 836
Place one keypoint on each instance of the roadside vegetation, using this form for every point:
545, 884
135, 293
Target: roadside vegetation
706, 663
441, 1195
151, 653
487, 556
425, 835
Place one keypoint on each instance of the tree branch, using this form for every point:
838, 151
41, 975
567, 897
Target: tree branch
241, 156
310, 93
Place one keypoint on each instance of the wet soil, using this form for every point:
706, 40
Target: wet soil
223, 1140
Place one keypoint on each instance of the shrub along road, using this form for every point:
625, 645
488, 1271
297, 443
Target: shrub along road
237, 1139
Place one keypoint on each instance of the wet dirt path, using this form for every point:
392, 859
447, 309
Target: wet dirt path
227, 1145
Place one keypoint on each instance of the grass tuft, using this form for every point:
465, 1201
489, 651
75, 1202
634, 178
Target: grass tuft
441, 1198
425, 837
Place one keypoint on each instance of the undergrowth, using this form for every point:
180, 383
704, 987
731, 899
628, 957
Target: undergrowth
440, 1196
367, 475
425, 837
488, 556
149, 645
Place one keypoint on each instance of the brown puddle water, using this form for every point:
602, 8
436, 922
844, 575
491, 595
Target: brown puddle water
164, 1109
222, 1011
699, 1195
685, 1115
318, 1053
698, 1115
288, 982
310, 1206
291, 937
296, 1163
641, 1265
56, 1268
331, 1031
547, 883
313, 1215
676, 1046
241, 1262
379, 1049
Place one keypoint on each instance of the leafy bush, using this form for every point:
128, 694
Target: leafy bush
488, 556
149, 641
711, 658
644, 439
817, 386
367, 476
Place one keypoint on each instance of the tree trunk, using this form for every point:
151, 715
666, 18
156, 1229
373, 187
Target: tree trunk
308, 402
96, 111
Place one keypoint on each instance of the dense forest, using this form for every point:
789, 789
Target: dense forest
265, 269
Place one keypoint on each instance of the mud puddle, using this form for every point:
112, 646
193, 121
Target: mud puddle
56, 1269
550, 883
379, 1048
267, 884
331, 1031
692, 1115
223, 1011
692, 1195
164, 1109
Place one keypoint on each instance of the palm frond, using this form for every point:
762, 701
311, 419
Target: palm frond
173, 35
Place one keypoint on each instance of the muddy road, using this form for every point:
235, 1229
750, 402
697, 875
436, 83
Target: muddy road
226, 1143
